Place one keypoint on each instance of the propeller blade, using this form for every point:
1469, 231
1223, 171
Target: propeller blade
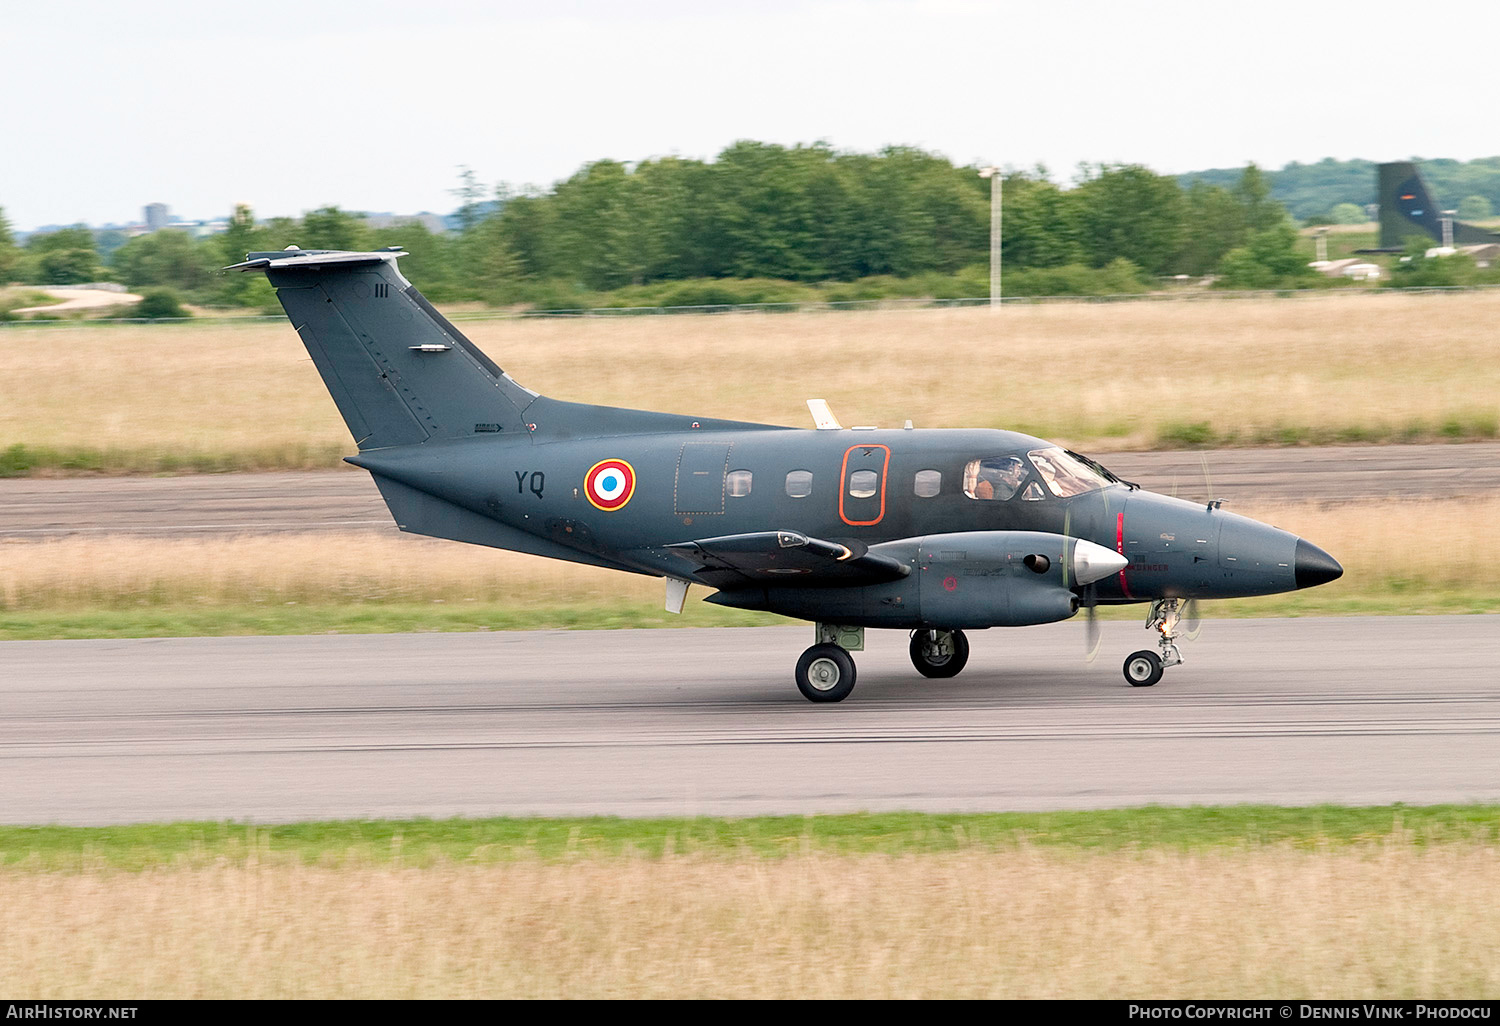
1192, 620
1067, 536
1092, 636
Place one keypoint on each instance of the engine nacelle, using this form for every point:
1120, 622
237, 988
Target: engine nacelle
970, 580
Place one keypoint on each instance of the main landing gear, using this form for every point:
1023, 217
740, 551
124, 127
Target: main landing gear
1145, 668
939, 654
826, 673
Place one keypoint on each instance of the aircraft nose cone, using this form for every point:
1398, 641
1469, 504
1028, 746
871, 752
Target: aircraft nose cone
1313, 566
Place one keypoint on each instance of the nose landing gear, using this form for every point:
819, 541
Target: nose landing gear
1145, 668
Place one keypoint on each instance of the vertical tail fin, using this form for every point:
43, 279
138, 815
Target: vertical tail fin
399, 371
1407, 208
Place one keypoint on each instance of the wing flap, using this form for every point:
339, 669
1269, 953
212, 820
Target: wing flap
786, 557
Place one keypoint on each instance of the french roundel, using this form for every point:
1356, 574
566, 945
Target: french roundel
609, 484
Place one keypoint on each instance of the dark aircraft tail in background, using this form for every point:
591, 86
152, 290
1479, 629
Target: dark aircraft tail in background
1407, 209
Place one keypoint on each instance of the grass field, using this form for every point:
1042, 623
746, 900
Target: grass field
1236, 902
226, 395
129, 586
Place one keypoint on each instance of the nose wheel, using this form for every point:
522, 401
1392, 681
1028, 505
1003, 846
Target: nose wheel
1145, 668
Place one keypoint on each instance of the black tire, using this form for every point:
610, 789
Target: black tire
948, 664
825, 673
1143, 669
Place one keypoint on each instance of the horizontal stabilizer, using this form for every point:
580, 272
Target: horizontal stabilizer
785, 558
291, 259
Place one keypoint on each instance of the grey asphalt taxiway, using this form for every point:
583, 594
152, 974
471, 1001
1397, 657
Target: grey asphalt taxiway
671, 723
345, 500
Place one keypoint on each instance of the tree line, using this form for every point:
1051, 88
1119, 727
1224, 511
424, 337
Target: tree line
760, 222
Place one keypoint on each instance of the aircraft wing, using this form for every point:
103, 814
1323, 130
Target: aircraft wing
786, 558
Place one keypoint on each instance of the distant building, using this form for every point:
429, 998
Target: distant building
157, 217
1484, 255
1351, 267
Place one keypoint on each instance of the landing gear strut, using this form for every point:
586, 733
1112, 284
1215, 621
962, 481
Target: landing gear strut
1145, 668
939, 653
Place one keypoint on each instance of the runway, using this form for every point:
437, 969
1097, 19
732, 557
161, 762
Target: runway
690, 722
342, 500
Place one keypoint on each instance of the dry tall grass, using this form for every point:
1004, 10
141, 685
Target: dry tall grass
1418, 545
1104, 375
1382, 921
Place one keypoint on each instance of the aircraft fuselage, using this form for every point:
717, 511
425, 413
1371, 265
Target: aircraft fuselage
699, 483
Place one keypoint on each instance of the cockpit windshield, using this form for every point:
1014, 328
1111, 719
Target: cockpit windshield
1065, 474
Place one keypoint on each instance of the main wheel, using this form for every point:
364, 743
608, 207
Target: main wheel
940, 656
1143, 669
825, 673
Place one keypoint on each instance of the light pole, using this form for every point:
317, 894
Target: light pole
996, 182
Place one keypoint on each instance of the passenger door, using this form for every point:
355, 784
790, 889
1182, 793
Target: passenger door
862, 485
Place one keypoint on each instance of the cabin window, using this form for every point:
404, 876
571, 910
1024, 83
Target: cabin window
799, 483
863, 483
737, 484
928, 483
995, 478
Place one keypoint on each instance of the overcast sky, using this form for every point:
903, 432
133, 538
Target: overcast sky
372, 104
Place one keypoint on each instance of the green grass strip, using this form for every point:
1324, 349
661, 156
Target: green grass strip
421, 842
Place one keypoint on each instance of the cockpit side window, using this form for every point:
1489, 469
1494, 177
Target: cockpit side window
1065, 475
995, 478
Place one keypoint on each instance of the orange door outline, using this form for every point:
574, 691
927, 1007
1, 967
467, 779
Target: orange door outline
844, 485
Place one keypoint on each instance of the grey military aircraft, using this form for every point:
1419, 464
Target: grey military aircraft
935, 532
